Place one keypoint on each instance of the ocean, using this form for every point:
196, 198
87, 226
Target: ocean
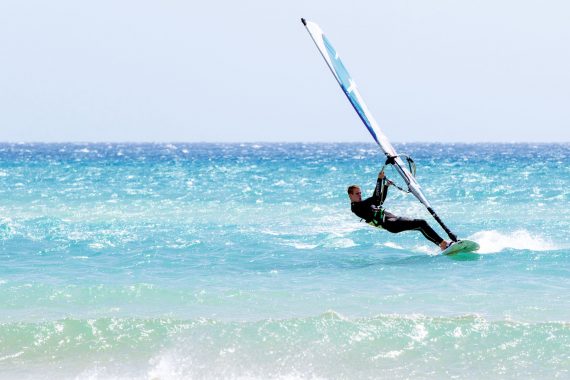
243, 261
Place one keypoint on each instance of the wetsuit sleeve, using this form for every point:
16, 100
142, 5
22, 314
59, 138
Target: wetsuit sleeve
381, 191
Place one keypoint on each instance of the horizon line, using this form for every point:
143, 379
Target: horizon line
284, 142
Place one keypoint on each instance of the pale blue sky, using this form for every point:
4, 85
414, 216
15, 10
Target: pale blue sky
226, 71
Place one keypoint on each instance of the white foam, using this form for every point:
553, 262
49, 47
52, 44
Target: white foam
494, 241
392, 245
12, 356
304, 245
388, 355
340, 243
419, 333
430, 250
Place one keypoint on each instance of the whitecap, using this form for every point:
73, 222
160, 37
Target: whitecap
419, 333
430, 250
341, 243
388, 355
392, 245
304, 245
12, 356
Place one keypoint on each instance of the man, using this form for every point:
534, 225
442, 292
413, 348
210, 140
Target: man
372, 212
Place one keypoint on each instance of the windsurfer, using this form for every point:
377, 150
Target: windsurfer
373, 213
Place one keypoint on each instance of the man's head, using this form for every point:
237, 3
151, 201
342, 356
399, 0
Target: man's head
354, 193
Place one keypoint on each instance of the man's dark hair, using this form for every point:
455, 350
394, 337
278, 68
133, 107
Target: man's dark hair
351, 188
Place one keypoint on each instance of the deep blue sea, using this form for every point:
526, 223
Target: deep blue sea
243, 261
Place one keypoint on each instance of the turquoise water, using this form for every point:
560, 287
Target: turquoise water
243, 261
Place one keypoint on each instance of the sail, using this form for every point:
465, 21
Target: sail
351, 91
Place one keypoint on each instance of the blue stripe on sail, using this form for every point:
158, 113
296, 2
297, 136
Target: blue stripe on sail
344, 81
341, 72
362, 115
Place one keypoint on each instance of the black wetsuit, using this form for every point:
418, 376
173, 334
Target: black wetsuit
372, 212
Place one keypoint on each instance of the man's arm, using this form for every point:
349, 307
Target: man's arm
381, 190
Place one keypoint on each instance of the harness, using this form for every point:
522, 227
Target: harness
377, 218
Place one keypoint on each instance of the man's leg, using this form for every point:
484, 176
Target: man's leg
396, 224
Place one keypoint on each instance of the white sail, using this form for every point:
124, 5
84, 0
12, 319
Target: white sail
351, 91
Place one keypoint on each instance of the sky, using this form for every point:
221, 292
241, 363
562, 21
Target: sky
247, 71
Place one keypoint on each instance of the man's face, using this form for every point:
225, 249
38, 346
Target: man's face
356, 195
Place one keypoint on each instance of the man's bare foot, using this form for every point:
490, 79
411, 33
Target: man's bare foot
443, 245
